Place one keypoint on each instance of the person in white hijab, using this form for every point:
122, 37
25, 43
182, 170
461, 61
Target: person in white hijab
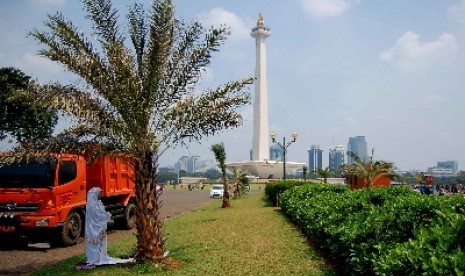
96, 231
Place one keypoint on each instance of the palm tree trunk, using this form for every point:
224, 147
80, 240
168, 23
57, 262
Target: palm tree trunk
150, 240
226, 203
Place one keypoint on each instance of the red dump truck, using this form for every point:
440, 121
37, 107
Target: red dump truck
45, 198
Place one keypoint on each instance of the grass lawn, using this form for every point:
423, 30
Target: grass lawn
247, 239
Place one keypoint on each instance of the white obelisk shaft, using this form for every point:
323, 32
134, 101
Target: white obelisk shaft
260, 146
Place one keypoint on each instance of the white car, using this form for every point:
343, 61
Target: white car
216, 191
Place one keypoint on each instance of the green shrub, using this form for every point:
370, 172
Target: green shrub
273, 190
439, 249
381, 230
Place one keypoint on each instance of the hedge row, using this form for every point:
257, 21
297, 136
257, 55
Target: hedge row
273, 190
382, 231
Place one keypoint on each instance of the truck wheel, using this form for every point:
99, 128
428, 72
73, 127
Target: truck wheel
130, 216
71, 231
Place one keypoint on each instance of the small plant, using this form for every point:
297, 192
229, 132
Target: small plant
240, 182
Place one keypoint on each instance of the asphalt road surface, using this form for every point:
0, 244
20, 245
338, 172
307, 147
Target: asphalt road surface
17, 260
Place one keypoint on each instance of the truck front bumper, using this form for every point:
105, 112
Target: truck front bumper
13, 222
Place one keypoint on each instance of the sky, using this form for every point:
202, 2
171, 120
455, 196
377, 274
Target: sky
392, 71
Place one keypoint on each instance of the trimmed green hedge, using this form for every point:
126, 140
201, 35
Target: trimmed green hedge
273, 190
386, 231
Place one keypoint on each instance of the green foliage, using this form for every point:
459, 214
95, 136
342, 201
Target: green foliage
248, 239
240, 182
140, 96
438, 249
387, 231
273, 190
220, 156
21, 116
325, 173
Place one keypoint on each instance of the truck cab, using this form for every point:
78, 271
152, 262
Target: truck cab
46, 196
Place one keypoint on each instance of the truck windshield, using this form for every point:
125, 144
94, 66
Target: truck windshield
27, 175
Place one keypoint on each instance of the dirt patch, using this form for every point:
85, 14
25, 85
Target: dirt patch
17, 260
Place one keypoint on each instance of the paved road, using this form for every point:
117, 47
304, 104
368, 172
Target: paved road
15, 260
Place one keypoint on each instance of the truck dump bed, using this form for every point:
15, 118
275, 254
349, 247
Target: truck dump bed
113, 175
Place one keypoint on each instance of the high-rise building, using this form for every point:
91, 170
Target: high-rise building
276, 153
192, 164
187, 163
445, 169
315, 158
450, 164
336, 157
357, 145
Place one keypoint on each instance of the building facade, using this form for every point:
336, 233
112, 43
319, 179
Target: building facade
187, 163
357, 145
444, 169
315, 158
336, 157
276, 153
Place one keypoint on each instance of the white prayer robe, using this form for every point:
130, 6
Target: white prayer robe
96, 231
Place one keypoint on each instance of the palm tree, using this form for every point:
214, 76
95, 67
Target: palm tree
325, 173
240, 180
220, 156
369, 172
140, 100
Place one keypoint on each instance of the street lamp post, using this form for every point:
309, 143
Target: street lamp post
284, 146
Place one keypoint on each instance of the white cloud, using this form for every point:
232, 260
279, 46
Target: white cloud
350, 120
208, 77
458, 12
327, 8
343, 125
36, 66
411, 54
218, 16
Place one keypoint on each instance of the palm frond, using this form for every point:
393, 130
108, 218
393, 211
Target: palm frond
210, 112
138, 33
70, 48
105, 20
161, 37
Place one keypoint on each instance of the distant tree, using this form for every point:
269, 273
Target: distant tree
20, 117
313, 174
304, 172
220, 156
461, 177
139, 96
338, 173
212, 174
167, 177
325, 173
371, 171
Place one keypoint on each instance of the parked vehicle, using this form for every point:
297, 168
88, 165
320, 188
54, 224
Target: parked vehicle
216, 191
45, 198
